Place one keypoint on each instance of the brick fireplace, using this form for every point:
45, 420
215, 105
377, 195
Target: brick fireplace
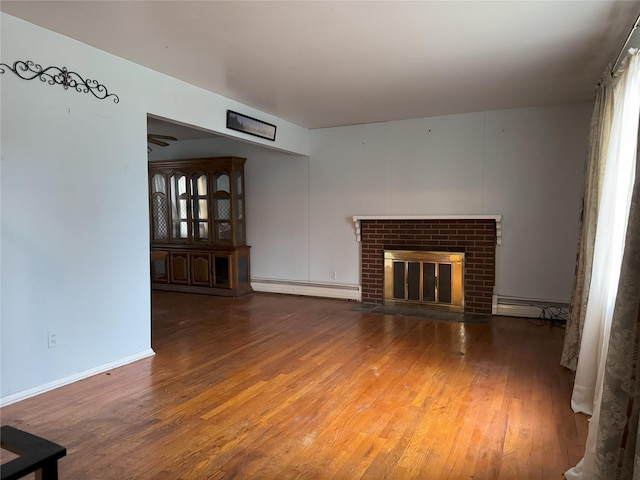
475, 235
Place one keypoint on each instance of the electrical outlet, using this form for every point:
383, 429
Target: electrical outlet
52, 341
333, 274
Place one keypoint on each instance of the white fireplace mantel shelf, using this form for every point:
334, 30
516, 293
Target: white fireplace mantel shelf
497, 218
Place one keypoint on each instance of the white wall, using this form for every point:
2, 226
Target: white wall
533, 175
524, 164
74, 209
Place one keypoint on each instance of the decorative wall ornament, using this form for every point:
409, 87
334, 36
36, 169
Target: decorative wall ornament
28, 70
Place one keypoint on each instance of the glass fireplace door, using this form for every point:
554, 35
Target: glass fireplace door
424, 278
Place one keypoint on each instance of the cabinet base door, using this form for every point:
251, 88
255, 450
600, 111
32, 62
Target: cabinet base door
179, 268
200, 269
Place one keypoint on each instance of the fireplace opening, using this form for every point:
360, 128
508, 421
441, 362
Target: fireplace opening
424, 278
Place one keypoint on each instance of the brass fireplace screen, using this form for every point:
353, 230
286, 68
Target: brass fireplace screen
433, 279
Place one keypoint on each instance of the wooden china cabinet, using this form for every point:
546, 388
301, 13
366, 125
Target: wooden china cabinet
198, 229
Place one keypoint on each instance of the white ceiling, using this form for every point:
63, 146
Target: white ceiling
331, 63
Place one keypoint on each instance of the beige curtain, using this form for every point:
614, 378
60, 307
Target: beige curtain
592, 189
617, 450
605, 380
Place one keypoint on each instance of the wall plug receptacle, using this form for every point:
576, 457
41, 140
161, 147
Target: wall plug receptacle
52, 341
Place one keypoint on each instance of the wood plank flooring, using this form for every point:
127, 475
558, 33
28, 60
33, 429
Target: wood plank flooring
281, 387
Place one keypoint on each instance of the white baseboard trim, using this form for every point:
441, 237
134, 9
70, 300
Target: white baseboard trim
312, 289
530, 308
32, 392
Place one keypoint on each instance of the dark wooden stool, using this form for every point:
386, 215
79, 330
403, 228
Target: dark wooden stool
36, 455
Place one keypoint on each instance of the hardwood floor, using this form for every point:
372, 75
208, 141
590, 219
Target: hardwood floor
276, 387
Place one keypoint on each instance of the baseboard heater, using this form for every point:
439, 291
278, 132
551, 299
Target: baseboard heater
312, 289
530, 308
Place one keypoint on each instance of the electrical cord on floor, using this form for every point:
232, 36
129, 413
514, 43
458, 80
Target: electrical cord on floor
552, 316
555, 316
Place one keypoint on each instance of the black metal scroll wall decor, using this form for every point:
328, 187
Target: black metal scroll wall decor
28, 70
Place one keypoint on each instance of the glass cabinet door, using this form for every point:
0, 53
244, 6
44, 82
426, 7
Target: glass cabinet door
239, 208
179, 203
159, 213
199, 208
221, 208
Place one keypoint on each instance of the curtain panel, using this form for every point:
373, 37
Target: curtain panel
592, 189
605, 382
616, 445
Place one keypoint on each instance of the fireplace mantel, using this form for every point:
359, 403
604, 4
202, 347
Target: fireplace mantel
497, 218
